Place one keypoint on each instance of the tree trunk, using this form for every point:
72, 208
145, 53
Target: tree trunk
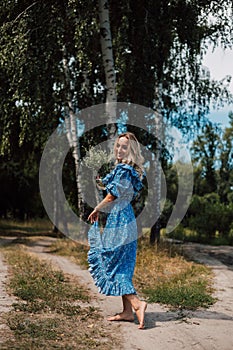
109, 69
58, 209
155, 230
55, 209
72, 132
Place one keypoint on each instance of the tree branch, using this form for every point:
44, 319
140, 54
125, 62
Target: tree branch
34, 3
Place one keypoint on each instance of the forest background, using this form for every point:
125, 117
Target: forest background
59, 57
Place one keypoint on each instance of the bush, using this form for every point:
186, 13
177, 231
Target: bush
207, 215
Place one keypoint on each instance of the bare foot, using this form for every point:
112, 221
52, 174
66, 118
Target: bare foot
140, 312
123, 316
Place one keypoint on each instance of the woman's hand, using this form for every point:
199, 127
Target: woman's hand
94, 216
95, 213
99, 184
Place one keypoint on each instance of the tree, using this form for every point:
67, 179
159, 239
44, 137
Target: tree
208, 216
49, 72
109, 67
158, 46
205, 154
226, 162
161, 45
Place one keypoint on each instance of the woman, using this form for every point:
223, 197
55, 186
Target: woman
112, 254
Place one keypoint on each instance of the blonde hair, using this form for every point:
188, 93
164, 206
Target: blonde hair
133, 157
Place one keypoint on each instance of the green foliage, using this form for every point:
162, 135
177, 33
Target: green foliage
179, 233
207, 216
37, 37
210, 213
19, 192
204, 151
225, 172
173, 37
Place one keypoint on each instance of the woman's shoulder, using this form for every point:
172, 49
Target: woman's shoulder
122, 170
128, 168
130, 173
124, 167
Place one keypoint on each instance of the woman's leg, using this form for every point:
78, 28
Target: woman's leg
126, 314
139, 308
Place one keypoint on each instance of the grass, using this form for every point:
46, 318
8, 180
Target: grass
164, 276
27, 227
51, 304
38, 283
53, 311
188, 235
77, 252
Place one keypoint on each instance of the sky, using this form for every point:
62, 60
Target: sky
220, 64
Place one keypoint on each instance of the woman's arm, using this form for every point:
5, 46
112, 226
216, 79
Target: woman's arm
95, 213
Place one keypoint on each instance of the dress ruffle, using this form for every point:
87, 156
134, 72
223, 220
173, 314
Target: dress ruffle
116, 287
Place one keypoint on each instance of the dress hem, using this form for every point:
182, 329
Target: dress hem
101, 280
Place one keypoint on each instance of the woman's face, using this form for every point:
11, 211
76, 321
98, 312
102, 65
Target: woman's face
122, 148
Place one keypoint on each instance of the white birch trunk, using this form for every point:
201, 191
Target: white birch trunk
72, 132
155, 230
109, 69
55, 209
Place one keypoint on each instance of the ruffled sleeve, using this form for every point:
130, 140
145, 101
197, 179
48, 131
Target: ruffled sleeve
124, 182
109, 177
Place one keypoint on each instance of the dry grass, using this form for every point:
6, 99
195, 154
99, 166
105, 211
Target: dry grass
158, 263
30, 227
53, 310
75, 251
163, 275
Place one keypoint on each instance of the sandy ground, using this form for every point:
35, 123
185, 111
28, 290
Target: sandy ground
5, 299
210, 329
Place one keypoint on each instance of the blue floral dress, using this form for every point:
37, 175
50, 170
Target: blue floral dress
112, 254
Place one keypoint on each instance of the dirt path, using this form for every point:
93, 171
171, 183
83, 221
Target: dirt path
210, 329
5, 299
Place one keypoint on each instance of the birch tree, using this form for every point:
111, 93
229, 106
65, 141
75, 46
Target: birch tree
72, 129
155, 42
109, 68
